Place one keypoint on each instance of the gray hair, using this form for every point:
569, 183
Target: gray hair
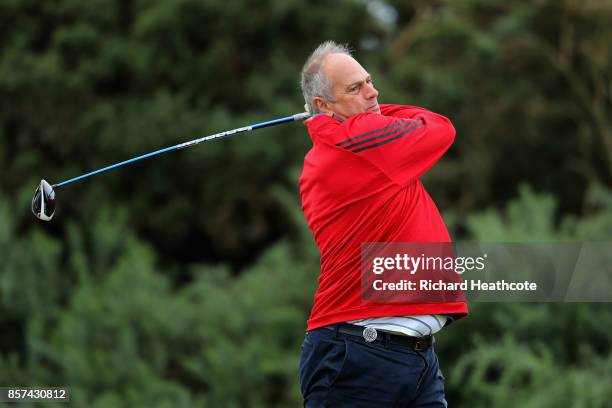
314, 82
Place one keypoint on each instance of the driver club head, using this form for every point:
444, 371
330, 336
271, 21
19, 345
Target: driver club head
43, 202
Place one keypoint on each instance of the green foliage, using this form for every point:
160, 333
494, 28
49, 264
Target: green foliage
128, 337
532, 217
526, 86
533, 355
511, 374
84, 85
187, 281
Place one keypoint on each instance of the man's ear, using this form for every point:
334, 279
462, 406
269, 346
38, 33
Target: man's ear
322, 105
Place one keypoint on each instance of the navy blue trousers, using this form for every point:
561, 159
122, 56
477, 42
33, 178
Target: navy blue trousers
342, 370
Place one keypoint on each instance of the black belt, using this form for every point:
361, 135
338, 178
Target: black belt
370, 334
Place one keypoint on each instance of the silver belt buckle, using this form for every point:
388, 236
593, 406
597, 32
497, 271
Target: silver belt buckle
370, 334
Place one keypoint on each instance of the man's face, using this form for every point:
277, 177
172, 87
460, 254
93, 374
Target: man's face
352, 87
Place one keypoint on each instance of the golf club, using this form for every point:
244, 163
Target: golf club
43, 202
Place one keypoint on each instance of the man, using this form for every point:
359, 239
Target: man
360, 183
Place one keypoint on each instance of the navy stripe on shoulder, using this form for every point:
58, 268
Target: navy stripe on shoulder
387, 134
404, 133
371, 132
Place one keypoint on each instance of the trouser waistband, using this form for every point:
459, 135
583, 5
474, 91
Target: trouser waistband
370, 334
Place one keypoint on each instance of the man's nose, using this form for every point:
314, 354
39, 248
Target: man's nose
370, 91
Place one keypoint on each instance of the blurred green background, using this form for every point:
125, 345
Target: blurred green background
185, 281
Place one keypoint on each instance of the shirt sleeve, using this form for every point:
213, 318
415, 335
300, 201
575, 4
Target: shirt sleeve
402, 111
403, 142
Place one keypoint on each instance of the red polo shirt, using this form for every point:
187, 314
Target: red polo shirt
360, 183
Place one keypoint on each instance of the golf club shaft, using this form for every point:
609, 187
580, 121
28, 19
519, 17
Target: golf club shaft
227, 133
